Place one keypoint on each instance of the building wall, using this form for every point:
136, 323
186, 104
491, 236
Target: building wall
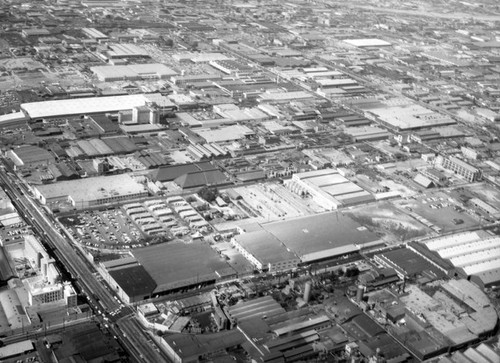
258, 264
466, 173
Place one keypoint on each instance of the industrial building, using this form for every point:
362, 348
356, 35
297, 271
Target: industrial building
88, 192
457, 309
93, 33
93, 105
118, 51
165, 268
30, 156
460, 167
132, 72
328, 188
409, 264
367, 133
168, 265
265, 251
44, 286
408, 117
128, 279
312, 239
474, 255
367, 43
225, 134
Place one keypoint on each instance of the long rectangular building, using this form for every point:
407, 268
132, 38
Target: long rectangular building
91, 105
460, 167
88, 192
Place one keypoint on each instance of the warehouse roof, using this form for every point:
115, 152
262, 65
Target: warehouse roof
360, 43
190, 346
31, 154
134, 280
260, 307
176, 265
410, 262
13, 349
224, 134
264, 247
133, 70
411, 117
321, 232
85, 106
90, 189
201, 178
172, 172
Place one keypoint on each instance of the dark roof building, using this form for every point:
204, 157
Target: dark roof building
202, 178
175, 266
187, 348
5, 270
134, 282
172, 172
30, 155
409, 264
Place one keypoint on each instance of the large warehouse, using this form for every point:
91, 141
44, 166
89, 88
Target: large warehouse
315, 238
88, 192
474, 255
132, 72
409, 117
328, 188
30, 156
165, 268
92, 105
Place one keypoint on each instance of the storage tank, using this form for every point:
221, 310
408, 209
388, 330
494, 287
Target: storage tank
307, 291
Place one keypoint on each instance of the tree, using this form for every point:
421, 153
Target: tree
208, 193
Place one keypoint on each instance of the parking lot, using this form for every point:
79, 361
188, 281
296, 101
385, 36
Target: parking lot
137, 224
111, 229
440, 210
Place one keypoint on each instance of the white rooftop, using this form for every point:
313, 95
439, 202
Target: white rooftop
82, 106
367, 42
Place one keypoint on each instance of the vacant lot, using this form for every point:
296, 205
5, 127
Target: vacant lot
387, 219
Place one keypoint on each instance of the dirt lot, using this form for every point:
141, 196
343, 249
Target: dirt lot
387, 219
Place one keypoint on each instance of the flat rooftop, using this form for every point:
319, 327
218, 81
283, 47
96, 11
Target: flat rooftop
134, 280
84, 106
89, 189
321, 232
175, 265
264, 247
372, 42
413, 116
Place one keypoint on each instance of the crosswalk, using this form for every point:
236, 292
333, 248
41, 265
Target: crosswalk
119, 313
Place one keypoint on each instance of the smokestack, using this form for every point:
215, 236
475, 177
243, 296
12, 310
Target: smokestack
307, 291
360, 293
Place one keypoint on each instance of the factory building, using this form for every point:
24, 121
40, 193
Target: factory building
45, 288
30, 156
132, 72
265, 251
95, 105
88, 192
474, 255
460, 167
280, 246
328, 188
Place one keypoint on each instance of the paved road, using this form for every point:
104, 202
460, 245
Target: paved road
135, 340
